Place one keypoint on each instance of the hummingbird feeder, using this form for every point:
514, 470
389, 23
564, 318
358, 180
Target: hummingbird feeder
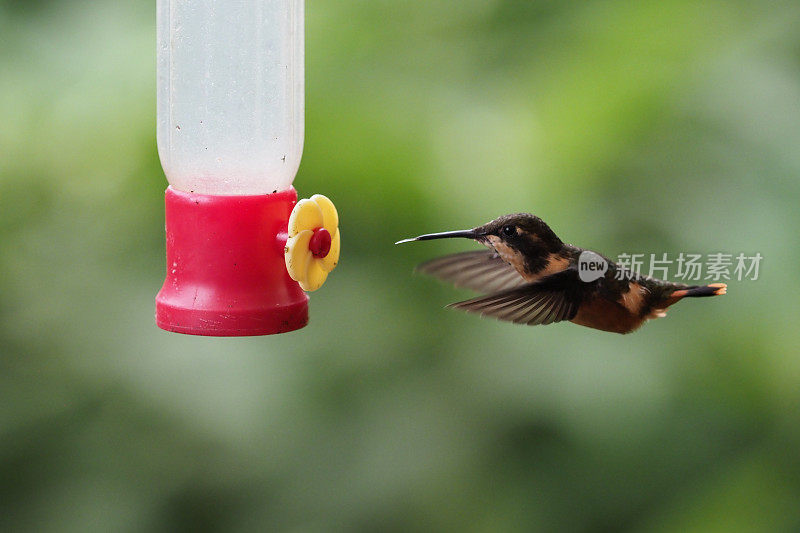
241, 250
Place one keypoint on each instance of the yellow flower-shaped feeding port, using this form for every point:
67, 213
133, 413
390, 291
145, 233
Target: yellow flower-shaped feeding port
312, 249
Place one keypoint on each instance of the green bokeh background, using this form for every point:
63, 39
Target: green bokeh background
650, 126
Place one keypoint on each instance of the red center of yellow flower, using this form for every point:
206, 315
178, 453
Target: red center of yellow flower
320, 243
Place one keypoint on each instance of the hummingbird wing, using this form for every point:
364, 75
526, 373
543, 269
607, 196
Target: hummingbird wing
481, 271
552, 299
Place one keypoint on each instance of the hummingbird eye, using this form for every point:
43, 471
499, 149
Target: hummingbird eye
508, 231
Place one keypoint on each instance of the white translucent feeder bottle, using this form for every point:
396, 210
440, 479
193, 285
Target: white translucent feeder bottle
230, 139
230, 94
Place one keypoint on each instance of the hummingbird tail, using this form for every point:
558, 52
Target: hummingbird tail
714, 289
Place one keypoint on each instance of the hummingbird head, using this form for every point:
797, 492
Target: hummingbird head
523, 240
520, 231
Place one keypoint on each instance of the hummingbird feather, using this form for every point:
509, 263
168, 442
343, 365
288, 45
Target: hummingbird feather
543, 302
481, 271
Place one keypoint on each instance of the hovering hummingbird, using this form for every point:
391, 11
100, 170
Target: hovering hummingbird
530, 276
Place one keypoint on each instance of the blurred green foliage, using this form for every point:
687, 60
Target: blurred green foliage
651, 126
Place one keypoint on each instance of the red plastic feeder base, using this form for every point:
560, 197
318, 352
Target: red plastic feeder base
226, 274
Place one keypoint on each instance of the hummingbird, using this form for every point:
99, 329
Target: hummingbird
530, 276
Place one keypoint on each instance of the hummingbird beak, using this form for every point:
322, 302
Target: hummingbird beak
466, 234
